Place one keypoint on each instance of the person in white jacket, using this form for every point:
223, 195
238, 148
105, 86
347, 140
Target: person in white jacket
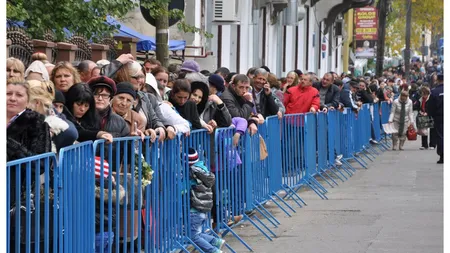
402, 116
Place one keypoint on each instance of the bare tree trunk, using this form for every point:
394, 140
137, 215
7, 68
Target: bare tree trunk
162, 37
382, 13
408, 40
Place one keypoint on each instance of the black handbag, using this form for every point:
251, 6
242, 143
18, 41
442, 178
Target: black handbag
424, 122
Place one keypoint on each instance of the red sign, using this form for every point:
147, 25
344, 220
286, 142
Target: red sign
366, 23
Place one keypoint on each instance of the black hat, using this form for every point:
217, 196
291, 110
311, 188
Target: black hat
205, 89
103, 81
299, 72
127, 88
266, 68
59, 97
217, 81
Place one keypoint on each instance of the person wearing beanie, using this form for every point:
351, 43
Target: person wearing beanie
215, 109
202, 181
190, 66
59, 101
122, 105
104, 89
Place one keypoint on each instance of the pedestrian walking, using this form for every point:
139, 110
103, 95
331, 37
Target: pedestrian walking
402, 116
435, 109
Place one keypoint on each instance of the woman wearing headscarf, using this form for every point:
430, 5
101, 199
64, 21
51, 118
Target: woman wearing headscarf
37, 71
402, 116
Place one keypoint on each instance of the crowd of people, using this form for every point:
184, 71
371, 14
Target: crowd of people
51, 106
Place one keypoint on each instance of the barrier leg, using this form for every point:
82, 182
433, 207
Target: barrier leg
228, 229
330, 177
321, 172
318, 184
281, 207
348, 165
226, 244
360, 161
260, 229
312, 187
191, 243
333, 169
264, 212
290, 193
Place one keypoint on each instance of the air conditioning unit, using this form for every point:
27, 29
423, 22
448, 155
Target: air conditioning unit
226, 11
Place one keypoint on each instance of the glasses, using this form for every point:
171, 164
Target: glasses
103, 96
138, 77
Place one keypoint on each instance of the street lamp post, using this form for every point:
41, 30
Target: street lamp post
423, 46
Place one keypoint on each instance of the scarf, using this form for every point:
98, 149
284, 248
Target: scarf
104, 117
402, 118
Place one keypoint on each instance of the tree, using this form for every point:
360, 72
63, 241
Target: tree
428, 15
84, 17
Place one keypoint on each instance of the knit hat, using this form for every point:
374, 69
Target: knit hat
193, 156
127, 88
191, 66
103, 82
98, 171
217, 81
59, 97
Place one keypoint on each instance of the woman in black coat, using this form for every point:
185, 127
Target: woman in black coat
80, 109
27, 135
179, 97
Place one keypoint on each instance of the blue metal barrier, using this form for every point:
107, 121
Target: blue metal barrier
323, 168
334, 147
77, 195
32, 204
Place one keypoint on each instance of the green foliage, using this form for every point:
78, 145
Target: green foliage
427, 14
77, 16
84, 18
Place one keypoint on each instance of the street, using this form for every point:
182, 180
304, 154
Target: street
394, 206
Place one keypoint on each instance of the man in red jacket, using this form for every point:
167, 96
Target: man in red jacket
302, 98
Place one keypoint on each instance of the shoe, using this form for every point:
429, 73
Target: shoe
339, 157
235, 220
422, 148
373, 141
250, 213
441, 160
337, 162
219, 243
432, 148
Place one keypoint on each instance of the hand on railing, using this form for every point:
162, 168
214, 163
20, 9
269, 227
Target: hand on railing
260, 119
162, 133
209, 128
212, 123
313, 110
236, 138
253, 129
325, 110
171, 133
106, 136
152, 133
280, 115
138, 133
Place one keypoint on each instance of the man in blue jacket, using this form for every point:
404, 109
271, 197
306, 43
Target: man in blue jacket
435, 108
328, 91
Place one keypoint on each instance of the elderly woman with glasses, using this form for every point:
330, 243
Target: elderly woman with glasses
402, 116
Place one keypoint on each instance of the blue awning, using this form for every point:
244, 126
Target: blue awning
145, 43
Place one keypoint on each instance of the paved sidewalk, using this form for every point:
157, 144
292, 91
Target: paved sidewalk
394, 206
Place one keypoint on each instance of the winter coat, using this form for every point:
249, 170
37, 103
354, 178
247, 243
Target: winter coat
267, 105
365, 96
332, 95
172, 118
189, 112
395, 114
435, 106
27, 135
346, 99
219, 113
300, 99
115, 125
202, 180
237, 106
146, 103
66, 137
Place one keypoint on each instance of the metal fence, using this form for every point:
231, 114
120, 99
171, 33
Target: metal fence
133, 195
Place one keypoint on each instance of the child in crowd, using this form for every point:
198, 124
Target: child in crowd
201, 180
59, 101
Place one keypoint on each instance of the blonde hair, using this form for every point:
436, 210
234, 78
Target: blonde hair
39, 94
39, 56
296, 78
16, 64
46, 85
21, 82
68, 66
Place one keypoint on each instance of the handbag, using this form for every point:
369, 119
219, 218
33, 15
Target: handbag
411, 134
262, 149
424, 122
422, 132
